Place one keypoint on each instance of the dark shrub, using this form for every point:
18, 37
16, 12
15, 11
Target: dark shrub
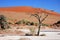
32, 23
3, 22
19, 22
28, 23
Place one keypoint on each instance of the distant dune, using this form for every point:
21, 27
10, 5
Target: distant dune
27, 9
23, 12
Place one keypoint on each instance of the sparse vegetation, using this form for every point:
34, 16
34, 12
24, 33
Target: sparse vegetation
32, 23
57, 24
26, 22
3, 22
10, 23
19, 22
44, 24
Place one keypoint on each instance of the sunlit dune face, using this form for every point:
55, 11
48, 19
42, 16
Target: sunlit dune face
15, 14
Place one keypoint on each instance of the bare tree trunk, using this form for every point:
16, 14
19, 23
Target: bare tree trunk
39, 28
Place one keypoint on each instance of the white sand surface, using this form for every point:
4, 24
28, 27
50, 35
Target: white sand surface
49, 36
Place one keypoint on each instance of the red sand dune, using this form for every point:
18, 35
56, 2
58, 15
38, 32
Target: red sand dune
27, 9
15, 13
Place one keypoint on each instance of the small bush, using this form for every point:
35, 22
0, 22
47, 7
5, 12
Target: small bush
44, 25
32, 23
3, 22
9, 23
19, 22
28, 23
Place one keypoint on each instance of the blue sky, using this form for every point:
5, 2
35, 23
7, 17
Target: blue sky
46, 4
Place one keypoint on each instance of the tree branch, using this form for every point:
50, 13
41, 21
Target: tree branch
44, 18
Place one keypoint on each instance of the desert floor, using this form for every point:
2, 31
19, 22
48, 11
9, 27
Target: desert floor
18, 34
49, 36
